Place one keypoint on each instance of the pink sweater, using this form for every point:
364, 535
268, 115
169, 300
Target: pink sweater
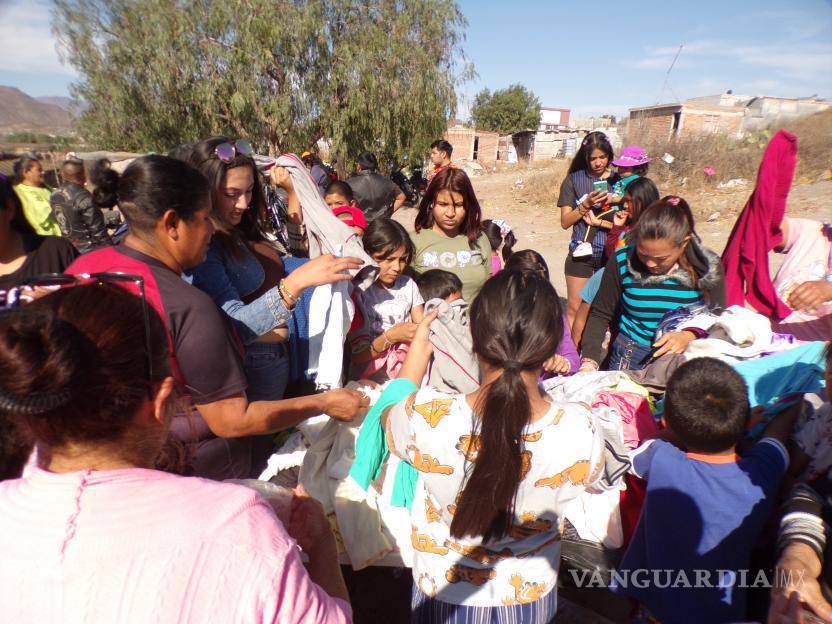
134, 545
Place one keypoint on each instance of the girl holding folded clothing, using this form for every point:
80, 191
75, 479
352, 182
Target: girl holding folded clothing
663, 267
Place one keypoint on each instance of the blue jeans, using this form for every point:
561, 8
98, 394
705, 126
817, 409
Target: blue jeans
267, 371
627, 354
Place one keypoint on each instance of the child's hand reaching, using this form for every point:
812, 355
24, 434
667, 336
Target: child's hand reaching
418, 356
402, 332
279, 176
557, 364
308, 524
673, 342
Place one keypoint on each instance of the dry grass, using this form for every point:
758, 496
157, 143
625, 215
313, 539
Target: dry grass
536, 184
730, 158
733, 158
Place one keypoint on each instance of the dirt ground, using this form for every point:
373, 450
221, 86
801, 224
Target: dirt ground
531, 211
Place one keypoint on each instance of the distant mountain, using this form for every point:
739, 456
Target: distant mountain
58, 100
20, 112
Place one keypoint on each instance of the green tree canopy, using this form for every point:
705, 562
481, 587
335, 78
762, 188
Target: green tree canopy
506, 110
361, 74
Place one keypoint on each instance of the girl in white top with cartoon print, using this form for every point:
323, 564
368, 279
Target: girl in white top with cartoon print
497, 467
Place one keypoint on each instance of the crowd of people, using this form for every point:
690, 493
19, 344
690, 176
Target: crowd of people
245, 297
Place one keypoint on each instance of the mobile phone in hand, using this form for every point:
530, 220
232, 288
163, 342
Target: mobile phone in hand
600, 185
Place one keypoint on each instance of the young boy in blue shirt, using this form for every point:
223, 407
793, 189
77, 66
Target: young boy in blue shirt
688, 560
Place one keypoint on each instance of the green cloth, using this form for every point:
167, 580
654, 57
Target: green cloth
437, 251
619, 187
371, 447
37, 210
404, 487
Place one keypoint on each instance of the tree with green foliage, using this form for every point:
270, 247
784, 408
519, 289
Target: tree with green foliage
506, 110
361, 74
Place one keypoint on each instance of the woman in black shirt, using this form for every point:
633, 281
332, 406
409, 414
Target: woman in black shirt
23, 254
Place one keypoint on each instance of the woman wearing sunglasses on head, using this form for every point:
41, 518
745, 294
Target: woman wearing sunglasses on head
167, 204
93, 533
244, 273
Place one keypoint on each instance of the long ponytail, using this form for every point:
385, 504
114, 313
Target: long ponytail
516, 325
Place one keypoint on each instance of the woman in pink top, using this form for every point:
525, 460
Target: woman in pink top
94, 533
804, 280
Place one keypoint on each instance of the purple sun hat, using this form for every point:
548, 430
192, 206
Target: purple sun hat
632, 156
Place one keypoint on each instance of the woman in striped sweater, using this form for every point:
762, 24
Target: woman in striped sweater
662, 268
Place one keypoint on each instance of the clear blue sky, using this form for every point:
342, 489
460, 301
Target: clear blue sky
593, 58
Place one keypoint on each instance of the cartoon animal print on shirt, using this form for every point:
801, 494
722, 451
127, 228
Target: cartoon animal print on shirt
524, 591
427, 585
532, 437
525, 463
557, 417
473, 576
432, 512
469, 445
480, 554
576, 474
408, 405
425, 543
529, 525
426, 463
538, 548
434, 411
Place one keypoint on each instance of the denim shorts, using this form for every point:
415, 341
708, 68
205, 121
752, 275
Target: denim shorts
627, 354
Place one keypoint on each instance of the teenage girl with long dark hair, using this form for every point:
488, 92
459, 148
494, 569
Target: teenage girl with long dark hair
498, 466
579, 203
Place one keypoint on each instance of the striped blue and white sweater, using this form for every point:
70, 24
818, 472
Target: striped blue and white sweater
635, 300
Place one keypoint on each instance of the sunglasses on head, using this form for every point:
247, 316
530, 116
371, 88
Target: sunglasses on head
227, 151
53, 281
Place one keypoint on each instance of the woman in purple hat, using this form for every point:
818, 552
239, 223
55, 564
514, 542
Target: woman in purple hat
631, 165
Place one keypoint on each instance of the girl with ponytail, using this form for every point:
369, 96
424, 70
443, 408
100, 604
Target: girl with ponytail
663, 267
498, 465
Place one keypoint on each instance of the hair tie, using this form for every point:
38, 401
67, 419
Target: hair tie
673, 201
34, 403
513, 366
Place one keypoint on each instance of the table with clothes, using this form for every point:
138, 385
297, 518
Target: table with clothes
367, 492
